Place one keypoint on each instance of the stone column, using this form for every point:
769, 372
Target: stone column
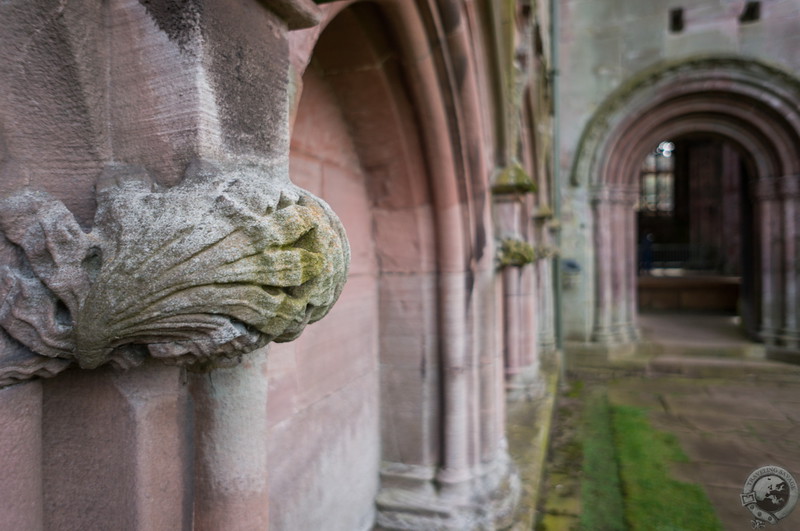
631, 269
546, 336
602, 332
768, 219
531, 318
515, 257
231, 446
157, 402
489, 413
790, 197
21, 504
513, 325
543, 289
456, 376
507, 223
618, 267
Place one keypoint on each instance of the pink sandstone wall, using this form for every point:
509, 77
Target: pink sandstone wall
323, 399
396, 145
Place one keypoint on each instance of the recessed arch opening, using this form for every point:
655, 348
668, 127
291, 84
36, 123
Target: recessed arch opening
696, 231
381, 78
738, 109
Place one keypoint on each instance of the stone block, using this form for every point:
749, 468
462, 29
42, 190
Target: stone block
324, 462
410, 415
305, 171
21, 457
119, 437
403, 242
345, 193
319, 128
89, 453
330, 355
408, 320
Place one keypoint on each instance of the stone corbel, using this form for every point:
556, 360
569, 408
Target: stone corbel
515, 252
553, 225
196, 275
513, 179
543, 214
544, 252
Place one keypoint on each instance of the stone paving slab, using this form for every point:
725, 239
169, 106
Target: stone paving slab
712, 474
727, 428
747, 406
734, 517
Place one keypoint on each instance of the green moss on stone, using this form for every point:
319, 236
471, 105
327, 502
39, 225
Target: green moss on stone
543, 213
515, 253
513, 180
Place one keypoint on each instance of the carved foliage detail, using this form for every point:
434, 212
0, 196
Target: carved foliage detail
199, 274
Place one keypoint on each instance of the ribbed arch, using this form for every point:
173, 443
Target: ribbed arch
704, 92
404, 76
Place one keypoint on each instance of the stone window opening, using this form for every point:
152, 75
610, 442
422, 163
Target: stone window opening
657, 182
676, 20
751, 13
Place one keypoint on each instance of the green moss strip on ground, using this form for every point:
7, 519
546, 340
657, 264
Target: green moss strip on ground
653, 500
626, 481
601, 492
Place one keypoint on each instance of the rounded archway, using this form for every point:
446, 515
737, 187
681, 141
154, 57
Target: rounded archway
750, 105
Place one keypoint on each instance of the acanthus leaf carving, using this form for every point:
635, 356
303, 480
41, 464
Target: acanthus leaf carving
199, 274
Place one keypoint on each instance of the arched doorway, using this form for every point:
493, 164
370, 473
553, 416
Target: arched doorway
750, 105
696, 229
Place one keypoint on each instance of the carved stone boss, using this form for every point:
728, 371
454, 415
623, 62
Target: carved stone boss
197, 275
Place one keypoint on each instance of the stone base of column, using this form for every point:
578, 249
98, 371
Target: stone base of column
783, 353
633, 332
547, 343
527, 384
585, 355
790, 339
768, 335
485, 502
609, 336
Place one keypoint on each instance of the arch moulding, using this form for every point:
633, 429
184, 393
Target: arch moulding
749, 103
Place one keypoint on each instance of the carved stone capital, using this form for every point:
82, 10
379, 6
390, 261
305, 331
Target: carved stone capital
198, 274
515, 252
512, 179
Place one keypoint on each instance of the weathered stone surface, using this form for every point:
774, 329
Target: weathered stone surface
323, 388
515, 253
21, 452
513, 180
231, 439
199, 274
88, 452
609, 52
